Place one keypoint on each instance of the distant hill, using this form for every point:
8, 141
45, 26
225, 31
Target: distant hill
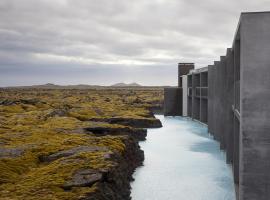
53, 86
48, 85
126, 85
84, 86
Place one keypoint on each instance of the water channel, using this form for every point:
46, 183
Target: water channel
182, 162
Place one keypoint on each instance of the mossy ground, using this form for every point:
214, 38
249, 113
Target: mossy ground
42, 122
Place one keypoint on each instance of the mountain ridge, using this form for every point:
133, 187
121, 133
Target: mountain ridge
133, 84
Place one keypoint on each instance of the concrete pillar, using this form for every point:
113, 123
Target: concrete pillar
236, 124
195, 96
222, 101
229, 102
210, 98
204, 97
215, 102
190, 91
185, 95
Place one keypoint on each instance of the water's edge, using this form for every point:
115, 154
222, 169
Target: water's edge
182, 162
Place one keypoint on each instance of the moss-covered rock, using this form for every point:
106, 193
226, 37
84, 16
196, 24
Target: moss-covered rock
72, 144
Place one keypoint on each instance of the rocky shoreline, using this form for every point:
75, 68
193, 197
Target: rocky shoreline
133, 122
115, 183
107, 183
73, 144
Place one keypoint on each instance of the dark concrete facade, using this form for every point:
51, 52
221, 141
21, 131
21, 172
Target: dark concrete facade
198, 94
173, 101
254, 32
232, 98
183, 69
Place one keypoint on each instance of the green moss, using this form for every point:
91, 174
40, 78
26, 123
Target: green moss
23, 175
12, 109
33, 129
45, 182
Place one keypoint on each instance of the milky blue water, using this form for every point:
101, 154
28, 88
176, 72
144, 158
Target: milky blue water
182, 162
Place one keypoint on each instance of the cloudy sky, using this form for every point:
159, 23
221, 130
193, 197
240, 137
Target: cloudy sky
109, 41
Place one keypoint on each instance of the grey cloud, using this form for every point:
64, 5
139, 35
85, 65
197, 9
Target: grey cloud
102, 38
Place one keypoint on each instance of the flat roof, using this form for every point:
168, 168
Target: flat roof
199, 70
256, 12
236, 35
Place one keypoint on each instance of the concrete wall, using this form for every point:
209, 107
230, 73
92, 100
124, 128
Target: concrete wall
255, 106
176, 99
183, 69
237, 108
197, 87
223, 123
229, 115
173, 101
190, 98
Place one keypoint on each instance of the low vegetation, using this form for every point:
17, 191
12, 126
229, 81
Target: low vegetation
44, 140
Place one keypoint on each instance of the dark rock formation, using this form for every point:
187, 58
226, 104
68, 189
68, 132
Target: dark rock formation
71, 152
115, 183
139, 134
157, 109
84, 178
7, 102
133, 122
11, 153
57, 112
137, 122
112, 183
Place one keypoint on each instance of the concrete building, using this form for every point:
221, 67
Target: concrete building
175, 103
232, 98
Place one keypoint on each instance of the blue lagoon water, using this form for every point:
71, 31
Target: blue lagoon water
182, 162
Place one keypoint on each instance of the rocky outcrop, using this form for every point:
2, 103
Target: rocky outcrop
10, 153
157, 109
57, 112
51, 149
70, 152
137, 122
84, 178
133, 122
112, 182
137, 133
115, 183
7, 102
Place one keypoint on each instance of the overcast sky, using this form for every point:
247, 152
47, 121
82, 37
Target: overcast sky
109, 41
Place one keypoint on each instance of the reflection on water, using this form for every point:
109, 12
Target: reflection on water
182, 162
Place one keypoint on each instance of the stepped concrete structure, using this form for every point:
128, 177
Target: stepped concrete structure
232, 98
